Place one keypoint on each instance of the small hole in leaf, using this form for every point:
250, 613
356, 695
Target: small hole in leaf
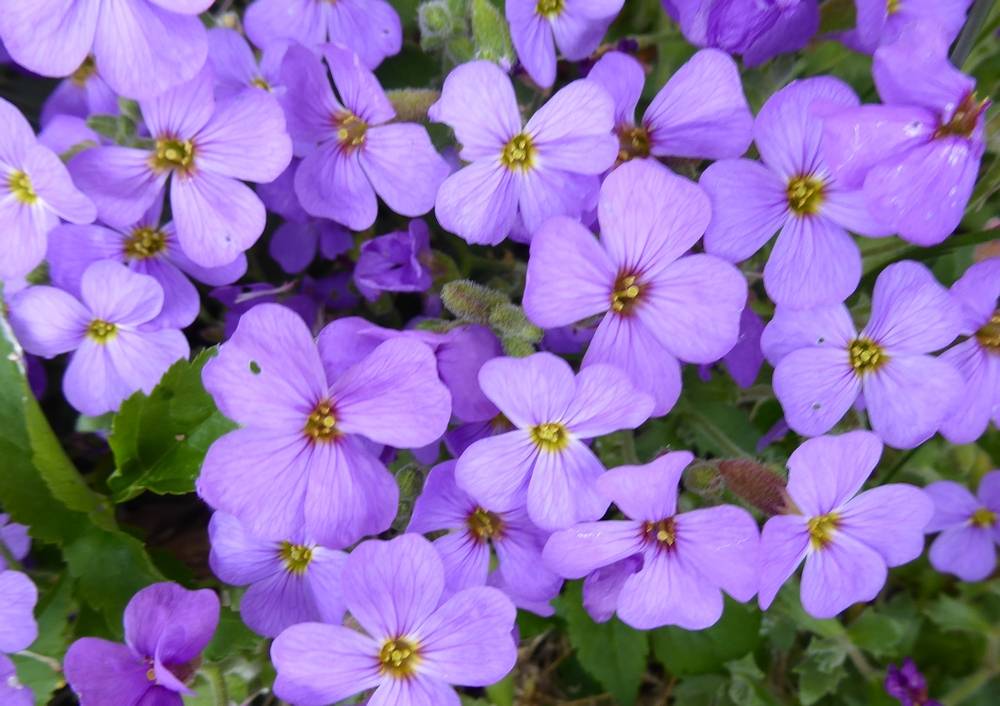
254, 367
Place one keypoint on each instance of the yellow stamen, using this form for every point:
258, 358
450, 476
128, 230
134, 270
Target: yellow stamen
261, 83
83, 74
321, 424
633, 141
663, 533
519, 153
20, 185
550, 8
101, 331
399, 657
352, 131
821, 529
625, 294
550, 436
805, 195
965, 118
484, 525
983, 517
989, 335
866, 356
296, 557
145, 243
173, 155
892, 6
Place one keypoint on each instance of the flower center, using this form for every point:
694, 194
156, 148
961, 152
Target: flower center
351, 130
821, 529
550, 436
892, 6
484, 525
20, 185
983, 517
866, 355
101, 331
989, 335
625, 294
805, 195
296, 557
173, 155
519, 153
322, 423
662, 533
550, 8
399, 657
145, 243
633, 141
83, 74
261, 83
963, 120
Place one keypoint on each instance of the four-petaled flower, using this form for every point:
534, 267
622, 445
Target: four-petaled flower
969, 526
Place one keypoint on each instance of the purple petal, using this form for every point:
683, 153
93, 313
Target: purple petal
814, 263
749, 204
120, 182
419, 690
839, 575
816, 387
794, 28
369, 27
494, 470
579, 28
850, 210
114, 293
403, 167
48, 321
319, 664
745, 359
182, 111
466, 560
977, 292
156, 611
29, 224
722, 544
989, 490
783, 544
54, 186
605, 401
300, 20
669, 590
967, 552
826, 472
791, 329
529, 391
441, 504
890, 519
533, 40
357, 86
914, 70
232, 61
17, 136
18, 628
332, 184
217, 217
245, 139
478, 202
73, 248
308, 100
981, 373
563, 490
519, 554
239, 557
14, 538
579, 550
181, 302
103, 672
12, 691
546, 193
459, 358
953, 505
51, 38
647, 492
572, 131
623, 78
602, 587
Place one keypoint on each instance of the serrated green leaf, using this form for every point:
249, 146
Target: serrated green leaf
875, 633
821, 670
684, 652
41, 677
950, 614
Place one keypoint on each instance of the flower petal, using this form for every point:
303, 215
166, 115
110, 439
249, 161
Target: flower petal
576, 552
648, 492
478, 202
104, 672
49, 37
529, 391
245, 139
911, 312
783, 544
114, 293
562, 489
749, 204
967, 552
791, 329
623, 78
170, 622
890, 519
826, 472
320, 664
722, 544
572, 131
403, 167
816, 387
814, 263
332, 184
668, 590
839, 575
119, 180
606, 401
495, 470
953, 505
48, 321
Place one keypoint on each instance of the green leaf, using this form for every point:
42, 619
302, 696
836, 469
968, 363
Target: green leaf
502, 693
950, 614
684, 652
231, 637
821, 671
875, 633
490, 33
613, 653
160, 440
41, 677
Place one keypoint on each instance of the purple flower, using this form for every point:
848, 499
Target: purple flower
305, 460
815, 261
545, 458
745, 359
917, 156
687, 558
292, 581
145, 247
473, 531
908, 685
203, 148
14, 540
575, 26
237, 69
12, 691
969, 527
18, 596
414, 644
699, 113
142, 47
848, 540
166, 628
547, 167
81, 95
396, 262
882, 21
351, 151
658, 305
116, 351
65, 132
977, 358
822, 364
35, 192
370, 28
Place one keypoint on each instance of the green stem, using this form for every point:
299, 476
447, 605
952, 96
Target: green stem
971, 686
629, 454
898, 465
213, 674
49, 662
977, 17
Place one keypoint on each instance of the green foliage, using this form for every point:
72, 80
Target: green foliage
686, 652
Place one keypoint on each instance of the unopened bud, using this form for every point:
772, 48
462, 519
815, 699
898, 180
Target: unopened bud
435, 21
490, 34
704, 480
411, 104
516, 347
470, 301
755, 483
509, 320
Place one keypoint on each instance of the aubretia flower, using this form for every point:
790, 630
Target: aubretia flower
848, 540
236, 68
18, 596
699, 113
969, 527
659, 305
303, 460
475, 533
575, 26
12, 691
687, 559
35, 192
917, 156
290, 582
115, 351
14, 540
142, 47
908, 685
166, 628
822, 364
414, 644
370, 28
82, 94
882, 21
814, 261
745, 359
544, 460
202, 148
547, 167
396, 262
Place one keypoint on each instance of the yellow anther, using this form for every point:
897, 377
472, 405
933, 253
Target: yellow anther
519, 153
550, 436
821, 529
866, 356
805, 195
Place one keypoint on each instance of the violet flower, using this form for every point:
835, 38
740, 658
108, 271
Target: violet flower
18, 596
235, 67
908, 685
882, 21
395, 262
82, 94
12, 691
14, 540
969, 527
745, 359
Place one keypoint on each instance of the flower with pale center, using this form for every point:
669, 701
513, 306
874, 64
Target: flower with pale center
296, 557
550, 8
399, 657
805, 195
821, 529
983, 517
352, 131
101, 331
519, 153
20, 185
989, 335
550, 436
173, 155
145, 242
321, 425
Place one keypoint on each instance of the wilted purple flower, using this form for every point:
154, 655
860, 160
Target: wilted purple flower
35, 192
370, 28
14, 540
473, 531
848, 540
396, 262
547, 167
687, 559
882, 21
303, 460
141, 47
290, 582
18, 596
203, 148
908, 685
575, 26
969, 527
351, 151
545, 459
166, 628
917, 156
414, 644
659, 305
116, 353
236, 68
82, 94
12, 691
699, 113
822, 364
815, 261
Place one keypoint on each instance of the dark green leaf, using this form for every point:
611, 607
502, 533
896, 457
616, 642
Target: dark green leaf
684, 652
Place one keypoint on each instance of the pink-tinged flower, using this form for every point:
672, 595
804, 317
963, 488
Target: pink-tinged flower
351, 151
475, 534
204, 149
882, 21
537, 27
236, 68
700, 113
290, 582
35, 192
545, 461
14, 540
166, 629
685, 561
141, 47
12, 691
115, 350
305, 458
969, 527
848, 540
395, 262
415, 644
81, 95
815, 261
547, 167
18, 596
915, 157
370, 28
660, 306
823, 365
